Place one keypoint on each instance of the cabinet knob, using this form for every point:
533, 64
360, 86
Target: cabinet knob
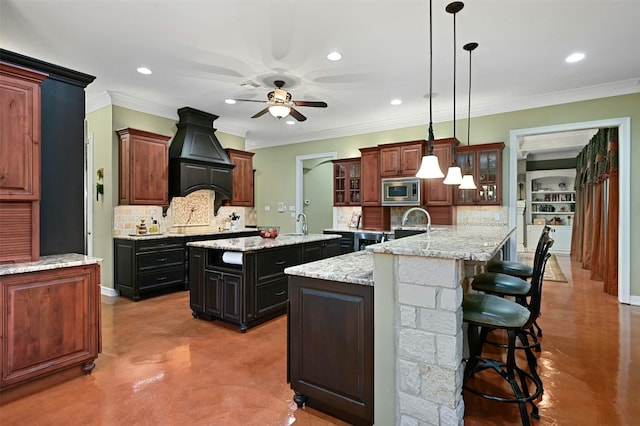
281, 262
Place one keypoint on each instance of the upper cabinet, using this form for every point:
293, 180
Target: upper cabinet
485, 163
437, 197
20, 136
20, 168
143, 168
243, 183
371, 191
400, 159
346, 182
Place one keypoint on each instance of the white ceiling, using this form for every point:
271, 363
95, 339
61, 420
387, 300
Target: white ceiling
200, 52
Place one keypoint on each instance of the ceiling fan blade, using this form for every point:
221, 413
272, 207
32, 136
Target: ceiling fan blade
261, 113
295, 114
311, 104
250, 100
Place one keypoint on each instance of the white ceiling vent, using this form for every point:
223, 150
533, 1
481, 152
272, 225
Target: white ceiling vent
250, 84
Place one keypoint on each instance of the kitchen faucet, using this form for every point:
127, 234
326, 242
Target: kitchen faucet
405, 216
305, 226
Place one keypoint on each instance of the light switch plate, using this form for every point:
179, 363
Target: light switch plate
280, 206
267, 208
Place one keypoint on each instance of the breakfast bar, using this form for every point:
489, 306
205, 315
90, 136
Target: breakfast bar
417, 286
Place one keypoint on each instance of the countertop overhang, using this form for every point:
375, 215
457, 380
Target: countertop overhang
48, 262
466, 242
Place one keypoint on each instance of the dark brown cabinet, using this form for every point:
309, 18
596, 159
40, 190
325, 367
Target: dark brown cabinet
346, 182
371, 191
327, 314
252, 292
146, 267
242, 175
400, 159
485, 163
346, 241
143, 168
20, 165
50, 322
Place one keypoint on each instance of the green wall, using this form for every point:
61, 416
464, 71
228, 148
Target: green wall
275, 179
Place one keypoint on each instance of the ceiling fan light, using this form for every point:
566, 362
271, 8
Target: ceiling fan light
279, 111
467, 182
429, 168
454, 176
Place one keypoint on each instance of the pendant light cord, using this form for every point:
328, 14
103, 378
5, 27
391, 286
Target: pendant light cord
469, 47
431, 136
455, 151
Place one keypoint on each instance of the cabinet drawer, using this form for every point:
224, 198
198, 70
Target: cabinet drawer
272, 295
159, 244
273, 262
162, 278
160, 259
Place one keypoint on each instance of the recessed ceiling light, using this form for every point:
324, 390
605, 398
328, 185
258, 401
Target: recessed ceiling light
396, 101
575, 57
230, 101
334, 56
144, 70
290, 122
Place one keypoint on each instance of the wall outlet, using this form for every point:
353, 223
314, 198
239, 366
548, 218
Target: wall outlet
267, 208
280, 206
497, 217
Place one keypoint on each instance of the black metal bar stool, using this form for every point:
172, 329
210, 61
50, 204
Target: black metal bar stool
484, 313
505, 278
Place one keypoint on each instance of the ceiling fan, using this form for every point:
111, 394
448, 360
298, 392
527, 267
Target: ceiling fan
282, 105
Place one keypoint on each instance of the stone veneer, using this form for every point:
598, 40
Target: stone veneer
190, 214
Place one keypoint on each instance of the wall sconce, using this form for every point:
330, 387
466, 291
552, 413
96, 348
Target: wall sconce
99, 184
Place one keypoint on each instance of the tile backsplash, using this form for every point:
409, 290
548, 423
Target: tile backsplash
190, 214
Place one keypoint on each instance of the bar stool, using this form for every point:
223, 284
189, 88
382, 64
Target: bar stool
505, 278
484, 313
516, 269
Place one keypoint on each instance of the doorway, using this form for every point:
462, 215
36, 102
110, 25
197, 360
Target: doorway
316, 205
624, 143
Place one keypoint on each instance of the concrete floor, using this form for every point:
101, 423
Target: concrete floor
159, 366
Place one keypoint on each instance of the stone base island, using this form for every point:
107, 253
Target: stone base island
377, 336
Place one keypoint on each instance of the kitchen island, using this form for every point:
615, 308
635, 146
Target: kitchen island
242, 281
417, 285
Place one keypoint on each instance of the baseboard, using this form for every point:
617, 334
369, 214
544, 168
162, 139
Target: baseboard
634, 300
108, 291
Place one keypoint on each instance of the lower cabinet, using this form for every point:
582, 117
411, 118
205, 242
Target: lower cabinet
146, 267
50, 323
330, 347
346, 241
252, 292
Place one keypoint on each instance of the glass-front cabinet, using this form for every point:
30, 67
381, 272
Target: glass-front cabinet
484, 162
346, 182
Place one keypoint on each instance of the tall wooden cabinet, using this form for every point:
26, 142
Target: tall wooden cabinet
143, 168
371, 191
437, 197
485, 163
243, 183
20, 165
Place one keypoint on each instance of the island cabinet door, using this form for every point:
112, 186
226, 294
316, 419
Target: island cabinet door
197, 261
330, 347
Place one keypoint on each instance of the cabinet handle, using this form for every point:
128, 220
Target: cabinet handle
164, 259
280, 293
162, 278
281, 262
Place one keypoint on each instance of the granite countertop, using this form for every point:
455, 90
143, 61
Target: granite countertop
353, 268
180, 235
48, 262
258, 243
467, 242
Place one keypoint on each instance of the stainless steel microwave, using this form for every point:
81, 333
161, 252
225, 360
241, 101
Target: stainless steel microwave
401, 192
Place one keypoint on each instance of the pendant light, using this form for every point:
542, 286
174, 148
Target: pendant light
429, 168
467, 179
454, 174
